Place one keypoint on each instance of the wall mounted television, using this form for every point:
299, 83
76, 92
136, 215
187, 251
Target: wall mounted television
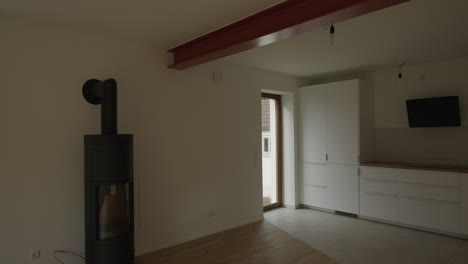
434, 112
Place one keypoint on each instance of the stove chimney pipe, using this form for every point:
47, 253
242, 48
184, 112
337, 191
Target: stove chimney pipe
103, 93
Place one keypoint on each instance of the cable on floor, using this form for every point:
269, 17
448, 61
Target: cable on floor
54, 254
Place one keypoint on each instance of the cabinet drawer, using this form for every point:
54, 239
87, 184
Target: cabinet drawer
379, 173
443, 193
444, 216
464, 204
430, 177
313, 174
380, 186
380, 206
312, 195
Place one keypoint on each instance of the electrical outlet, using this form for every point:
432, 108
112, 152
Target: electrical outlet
211, 213
35, 254
217, 76
422, 76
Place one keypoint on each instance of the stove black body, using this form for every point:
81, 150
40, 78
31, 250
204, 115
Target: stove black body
109, 207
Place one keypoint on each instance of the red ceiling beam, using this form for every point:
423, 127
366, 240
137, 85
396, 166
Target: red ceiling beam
281, 21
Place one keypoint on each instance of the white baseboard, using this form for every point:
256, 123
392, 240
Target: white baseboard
292, 206
413, 227
317, 208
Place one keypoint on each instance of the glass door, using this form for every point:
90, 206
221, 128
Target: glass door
271, 151
113, 210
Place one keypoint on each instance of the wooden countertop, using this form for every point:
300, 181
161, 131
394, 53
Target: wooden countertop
409, 166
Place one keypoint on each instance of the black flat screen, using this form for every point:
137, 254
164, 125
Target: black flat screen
434, 112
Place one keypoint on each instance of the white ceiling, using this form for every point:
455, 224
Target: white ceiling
162, 23
422, 31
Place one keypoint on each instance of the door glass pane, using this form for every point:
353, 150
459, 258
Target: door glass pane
269, 152
113, 210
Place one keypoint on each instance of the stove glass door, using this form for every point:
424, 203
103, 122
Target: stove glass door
113, 216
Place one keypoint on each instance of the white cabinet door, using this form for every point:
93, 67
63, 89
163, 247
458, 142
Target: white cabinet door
342, 183
444, 216
313, 174
433, 192
313, 195
379, 205
342, 110
378, 173
441, 178
378, 186
464, 204
312, 123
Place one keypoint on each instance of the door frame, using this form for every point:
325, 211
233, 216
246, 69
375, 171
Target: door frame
279, 153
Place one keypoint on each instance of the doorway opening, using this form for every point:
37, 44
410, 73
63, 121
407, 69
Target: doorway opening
272, 153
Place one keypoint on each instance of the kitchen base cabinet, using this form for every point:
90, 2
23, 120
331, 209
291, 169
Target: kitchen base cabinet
431, 200
332, 186
343, 188
379, 186
464, 205
379, 206
438, 215
313, 196
313, 174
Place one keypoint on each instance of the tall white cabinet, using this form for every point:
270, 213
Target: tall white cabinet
342, 125
312, 104
333, 118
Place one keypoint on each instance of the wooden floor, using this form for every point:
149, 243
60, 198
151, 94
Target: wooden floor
261, 242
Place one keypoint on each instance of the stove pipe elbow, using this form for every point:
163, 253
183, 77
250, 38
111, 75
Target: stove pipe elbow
104, 93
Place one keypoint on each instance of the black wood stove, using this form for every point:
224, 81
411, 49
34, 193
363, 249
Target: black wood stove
108, 183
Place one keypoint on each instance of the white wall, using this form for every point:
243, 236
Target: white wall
197, 143
395, 141
290, 149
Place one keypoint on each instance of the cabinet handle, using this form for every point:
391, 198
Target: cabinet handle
426, 185
318, 186
380, 194
313, 163
326, 157
428, 200
378, 180
138, 204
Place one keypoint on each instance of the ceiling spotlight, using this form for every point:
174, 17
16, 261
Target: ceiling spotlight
332, 35
400, 74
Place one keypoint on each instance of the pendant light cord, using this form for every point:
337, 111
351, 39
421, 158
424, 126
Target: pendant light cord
54, 254
403, 64
400, 74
